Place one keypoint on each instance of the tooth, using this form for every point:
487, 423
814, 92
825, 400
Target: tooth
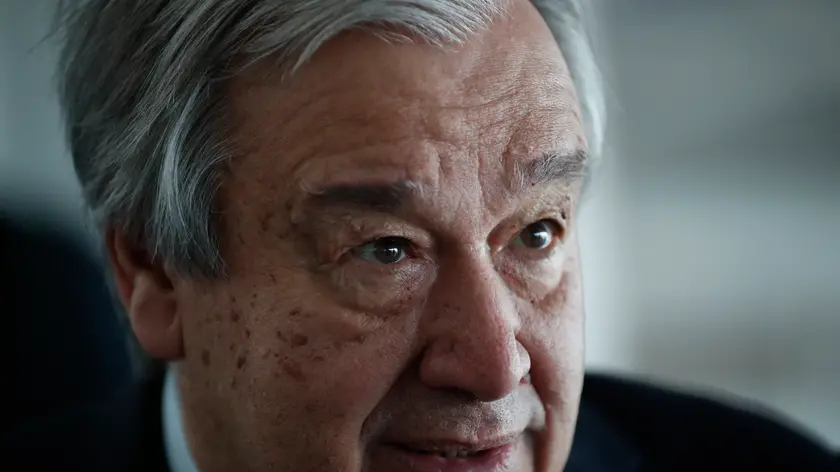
451, 454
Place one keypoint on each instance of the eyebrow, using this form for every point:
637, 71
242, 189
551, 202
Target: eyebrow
386, 197
550, 167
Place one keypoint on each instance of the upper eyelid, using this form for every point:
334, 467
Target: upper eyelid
357, 232
559, 216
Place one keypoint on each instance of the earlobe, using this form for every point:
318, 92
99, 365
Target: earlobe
155, 320
146, 290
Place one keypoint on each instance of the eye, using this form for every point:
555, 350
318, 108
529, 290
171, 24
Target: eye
539, 236
390, 250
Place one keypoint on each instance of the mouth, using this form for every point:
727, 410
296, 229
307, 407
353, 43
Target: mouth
450, 456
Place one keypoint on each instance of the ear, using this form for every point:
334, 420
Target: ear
146, 289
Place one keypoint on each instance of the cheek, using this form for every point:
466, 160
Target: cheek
558, 309
534, 280
381, 291
554, 336
298, 380
219, 342
286, 360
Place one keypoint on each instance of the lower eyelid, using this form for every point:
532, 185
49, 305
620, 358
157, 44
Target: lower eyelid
538, 254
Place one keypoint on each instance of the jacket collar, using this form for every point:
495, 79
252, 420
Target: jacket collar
599, 446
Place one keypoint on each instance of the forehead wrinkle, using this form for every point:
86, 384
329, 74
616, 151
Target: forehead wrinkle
462, 103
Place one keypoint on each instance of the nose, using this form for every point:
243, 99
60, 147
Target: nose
472, 325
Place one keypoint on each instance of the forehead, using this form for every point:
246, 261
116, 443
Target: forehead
366, 109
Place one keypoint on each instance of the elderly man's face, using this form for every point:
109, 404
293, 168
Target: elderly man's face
404, 286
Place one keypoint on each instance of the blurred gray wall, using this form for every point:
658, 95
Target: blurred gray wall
710, 240
728, 143
36, 174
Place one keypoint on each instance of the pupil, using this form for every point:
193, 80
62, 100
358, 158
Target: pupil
388, 251
537, 236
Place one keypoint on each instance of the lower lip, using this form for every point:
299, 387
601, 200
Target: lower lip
497, 459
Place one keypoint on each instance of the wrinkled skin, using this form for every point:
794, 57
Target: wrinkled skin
330, 348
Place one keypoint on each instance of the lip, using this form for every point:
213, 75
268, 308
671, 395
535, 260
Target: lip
495, 455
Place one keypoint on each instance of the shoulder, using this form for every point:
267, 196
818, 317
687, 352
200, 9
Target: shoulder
680, 431
123, 433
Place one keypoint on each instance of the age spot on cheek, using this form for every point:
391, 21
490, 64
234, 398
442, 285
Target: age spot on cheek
294, 371
298, 313
241, 361
299, 340
205, 357
339, 346
265, 222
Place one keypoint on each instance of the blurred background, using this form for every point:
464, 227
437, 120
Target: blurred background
710, 238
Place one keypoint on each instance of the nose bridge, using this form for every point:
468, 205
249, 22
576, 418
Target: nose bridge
472, 295
472, 328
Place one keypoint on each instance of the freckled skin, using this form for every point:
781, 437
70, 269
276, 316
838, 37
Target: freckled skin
318, 355
299, 340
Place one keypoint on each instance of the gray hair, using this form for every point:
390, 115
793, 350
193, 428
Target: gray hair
138, 85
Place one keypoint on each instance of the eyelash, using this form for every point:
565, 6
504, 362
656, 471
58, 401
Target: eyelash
410, 248
351, 250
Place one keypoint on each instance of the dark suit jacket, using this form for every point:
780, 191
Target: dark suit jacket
623, 426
